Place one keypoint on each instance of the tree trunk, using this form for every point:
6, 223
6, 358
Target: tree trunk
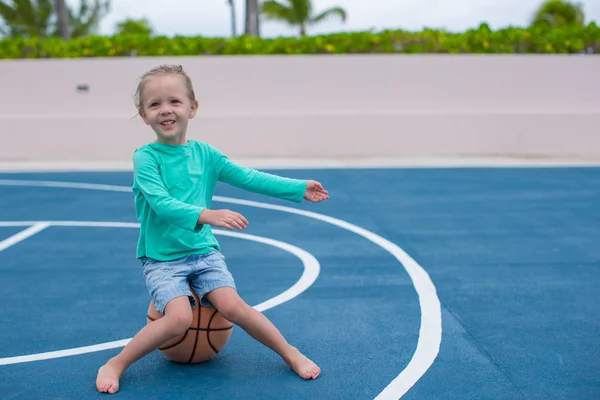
233, 23
63, 19
252, 18
302, 30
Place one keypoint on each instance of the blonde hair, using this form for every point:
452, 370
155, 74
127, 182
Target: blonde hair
163, 69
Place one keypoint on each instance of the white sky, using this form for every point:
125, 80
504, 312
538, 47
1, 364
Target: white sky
212, 17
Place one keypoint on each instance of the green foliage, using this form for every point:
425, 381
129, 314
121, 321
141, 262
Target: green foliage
37, 18
27, 18
568, 39
133, 26
86, 19
558, 13
298, 13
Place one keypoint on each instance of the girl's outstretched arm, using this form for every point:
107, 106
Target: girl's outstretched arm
266, 183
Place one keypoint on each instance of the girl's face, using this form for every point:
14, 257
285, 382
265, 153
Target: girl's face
167, 108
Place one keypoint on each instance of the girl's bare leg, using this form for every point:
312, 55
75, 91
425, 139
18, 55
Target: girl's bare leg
177, 319
227, 301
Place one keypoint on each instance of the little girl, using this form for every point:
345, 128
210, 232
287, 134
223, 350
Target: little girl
174, 181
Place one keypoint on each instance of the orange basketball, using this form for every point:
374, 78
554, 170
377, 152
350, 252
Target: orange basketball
207, 336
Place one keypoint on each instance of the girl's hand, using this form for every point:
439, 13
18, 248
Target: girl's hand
315, 192
223, 218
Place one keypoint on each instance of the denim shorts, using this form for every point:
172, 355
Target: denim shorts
166, 280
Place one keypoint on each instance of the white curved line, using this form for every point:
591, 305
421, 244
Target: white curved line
86, 224
312, 268
430, 331
24, 234
68, 185
63, 353
309, 276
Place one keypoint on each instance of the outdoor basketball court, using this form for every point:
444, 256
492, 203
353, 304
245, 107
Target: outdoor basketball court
420, 283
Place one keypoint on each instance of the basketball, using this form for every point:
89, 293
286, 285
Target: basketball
207, 335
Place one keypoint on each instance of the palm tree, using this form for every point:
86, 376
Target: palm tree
298, 13
27, 18
45, 18
555, 13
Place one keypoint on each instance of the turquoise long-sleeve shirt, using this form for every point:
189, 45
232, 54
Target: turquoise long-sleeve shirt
173, 184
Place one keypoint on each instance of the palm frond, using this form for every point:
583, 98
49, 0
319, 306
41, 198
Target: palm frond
331, 12
26, 12
274, 10
7, 13
25, 18
87, 18
302, 9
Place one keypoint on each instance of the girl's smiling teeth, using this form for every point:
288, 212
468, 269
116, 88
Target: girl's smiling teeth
169, 122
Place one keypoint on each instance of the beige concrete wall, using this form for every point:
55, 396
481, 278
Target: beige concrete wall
315, 106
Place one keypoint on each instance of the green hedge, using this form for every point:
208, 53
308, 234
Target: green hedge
575, 39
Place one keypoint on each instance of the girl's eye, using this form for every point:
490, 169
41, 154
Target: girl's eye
175, 101
153, 104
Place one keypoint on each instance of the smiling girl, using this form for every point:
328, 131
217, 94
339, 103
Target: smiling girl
174, 181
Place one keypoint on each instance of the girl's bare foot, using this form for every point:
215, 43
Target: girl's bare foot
304, 367
107, 380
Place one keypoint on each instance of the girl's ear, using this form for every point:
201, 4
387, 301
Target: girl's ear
194, 110
143, 115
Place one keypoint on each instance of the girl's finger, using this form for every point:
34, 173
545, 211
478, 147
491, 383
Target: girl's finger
242, 218
237, 223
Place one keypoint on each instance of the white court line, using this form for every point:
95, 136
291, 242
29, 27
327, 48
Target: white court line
63, 353
310, 273
312, 268
90, 224
430, 331
422, 162
24, 234
68, 185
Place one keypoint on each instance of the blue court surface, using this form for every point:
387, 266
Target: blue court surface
424, 283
